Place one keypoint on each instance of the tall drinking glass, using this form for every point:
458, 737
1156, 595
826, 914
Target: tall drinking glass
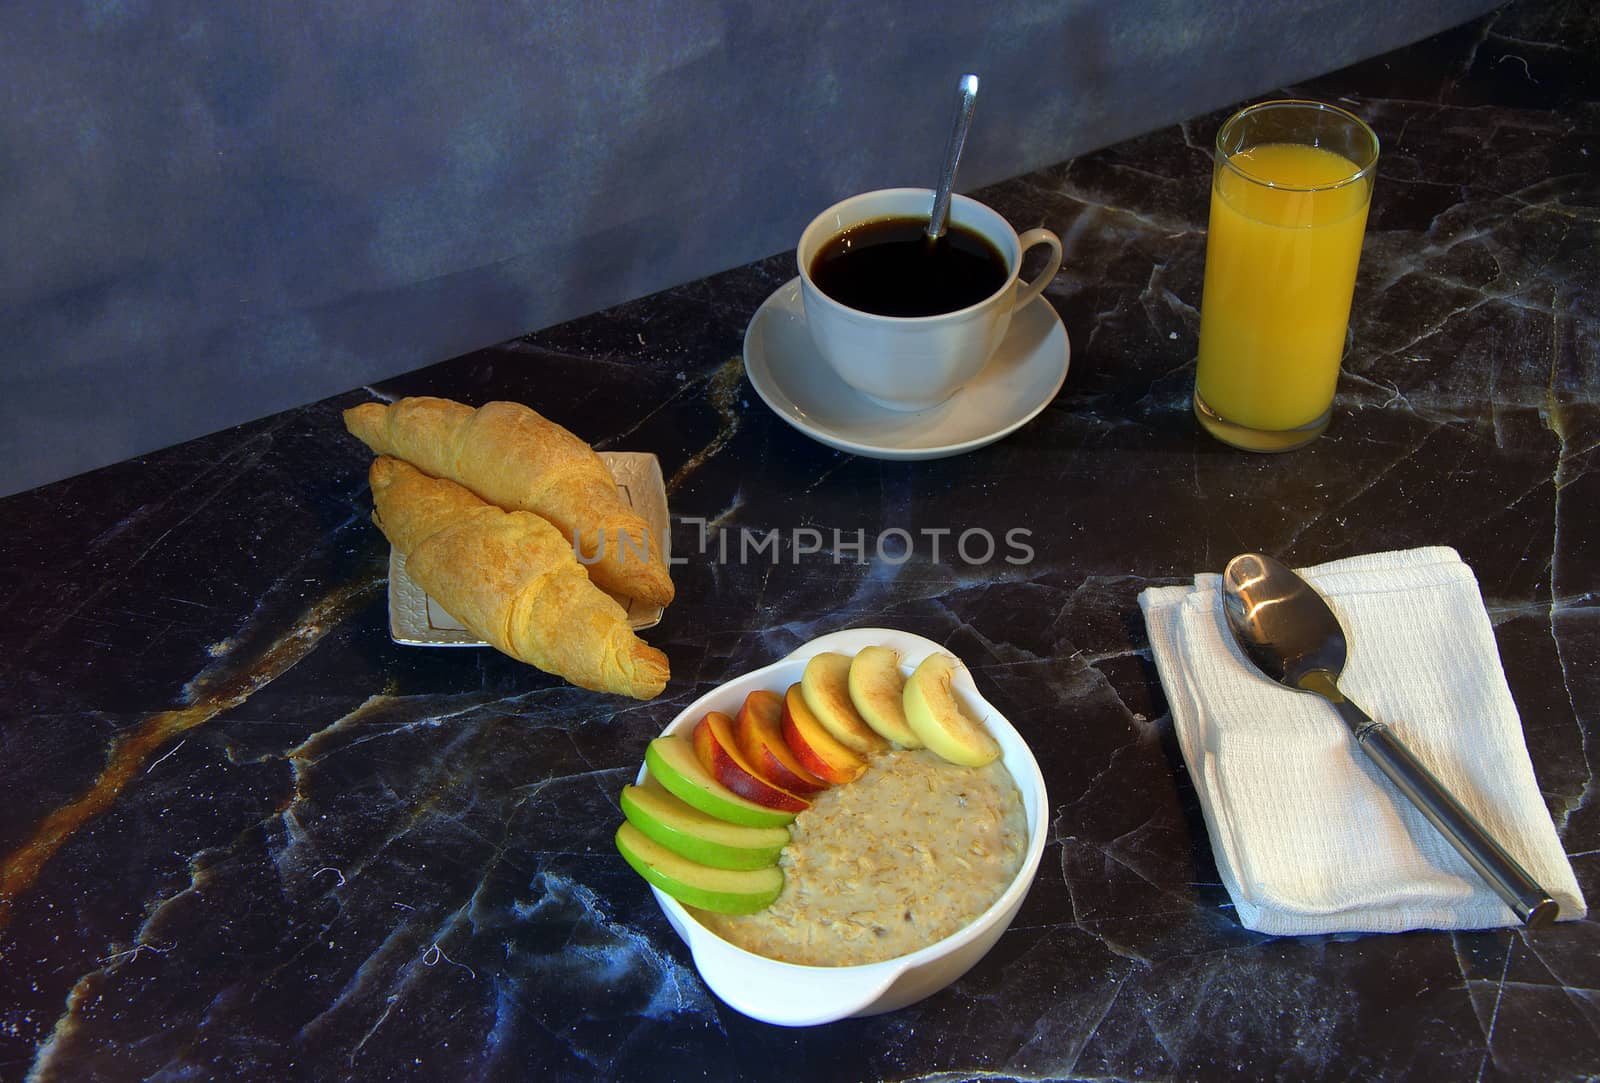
1290, 190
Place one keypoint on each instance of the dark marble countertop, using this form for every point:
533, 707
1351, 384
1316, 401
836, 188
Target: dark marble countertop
248, 836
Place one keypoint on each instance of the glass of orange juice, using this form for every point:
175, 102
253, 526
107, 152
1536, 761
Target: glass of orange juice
1289, 195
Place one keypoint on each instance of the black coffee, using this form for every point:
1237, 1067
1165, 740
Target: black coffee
888, 267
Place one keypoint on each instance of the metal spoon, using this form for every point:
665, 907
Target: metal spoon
1287, 630
940, 218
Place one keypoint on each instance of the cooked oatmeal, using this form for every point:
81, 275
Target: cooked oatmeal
905, 855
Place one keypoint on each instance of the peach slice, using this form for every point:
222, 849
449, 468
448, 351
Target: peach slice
825, 685
878, 692
759, 730
940, 719
718, 752
813, 745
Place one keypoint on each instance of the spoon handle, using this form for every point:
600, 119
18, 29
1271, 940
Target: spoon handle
1531, 903
939, 217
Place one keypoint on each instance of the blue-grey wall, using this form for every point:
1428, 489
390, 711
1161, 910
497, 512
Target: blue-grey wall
212, 211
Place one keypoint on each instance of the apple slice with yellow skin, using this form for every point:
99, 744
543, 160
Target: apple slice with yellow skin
877, 690
718, 752
937, 716
758, 727
825, 684
671, 760
696, 835
726, 891
813, 745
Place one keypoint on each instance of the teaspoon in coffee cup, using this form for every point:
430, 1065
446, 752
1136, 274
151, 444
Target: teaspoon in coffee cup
1288, 632
939, 220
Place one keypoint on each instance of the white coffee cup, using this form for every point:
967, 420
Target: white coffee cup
916, 362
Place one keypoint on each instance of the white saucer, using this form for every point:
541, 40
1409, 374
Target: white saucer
791, 377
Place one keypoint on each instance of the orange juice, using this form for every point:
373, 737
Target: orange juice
1280, 267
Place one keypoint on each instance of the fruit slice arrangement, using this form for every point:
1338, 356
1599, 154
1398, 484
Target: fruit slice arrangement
710, 820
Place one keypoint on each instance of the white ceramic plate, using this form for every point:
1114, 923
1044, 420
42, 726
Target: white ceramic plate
416, 620
800, 387
790, 995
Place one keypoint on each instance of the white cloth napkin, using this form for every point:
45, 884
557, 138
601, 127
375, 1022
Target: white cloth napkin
1309, 836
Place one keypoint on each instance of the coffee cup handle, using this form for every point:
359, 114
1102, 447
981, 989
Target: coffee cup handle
1033, 289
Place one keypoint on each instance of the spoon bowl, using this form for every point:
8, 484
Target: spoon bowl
1290, 634
1282, 624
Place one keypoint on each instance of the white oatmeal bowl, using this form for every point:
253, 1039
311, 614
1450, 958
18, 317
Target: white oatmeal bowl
795, 995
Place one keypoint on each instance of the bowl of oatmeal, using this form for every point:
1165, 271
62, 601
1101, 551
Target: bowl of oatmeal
896, 884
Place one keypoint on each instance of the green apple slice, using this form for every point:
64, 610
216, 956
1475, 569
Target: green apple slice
672, 761
696, 835
825, 686
937, 716
725, 891
878, 692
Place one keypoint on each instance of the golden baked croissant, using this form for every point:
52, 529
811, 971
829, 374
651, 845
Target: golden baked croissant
511, 456
511, 578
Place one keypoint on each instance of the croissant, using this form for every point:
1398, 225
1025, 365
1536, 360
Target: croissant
511, 578
511, 456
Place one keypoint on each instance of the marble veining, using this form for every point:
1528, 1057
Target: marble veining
248, 837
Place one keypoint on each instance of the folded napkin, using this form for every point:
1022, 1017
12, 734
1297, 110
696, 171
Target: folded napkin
1309, 836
